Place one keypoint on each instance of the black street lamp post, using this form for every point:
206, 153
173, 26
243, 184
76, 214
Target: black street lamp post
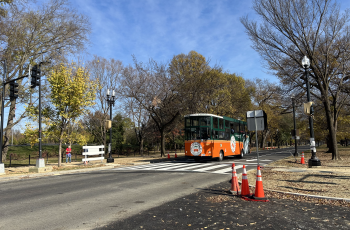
313, 161
295, 127
110, 101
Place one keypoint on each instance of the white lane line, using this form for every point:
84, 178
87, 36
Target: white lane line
207, 168
229, 169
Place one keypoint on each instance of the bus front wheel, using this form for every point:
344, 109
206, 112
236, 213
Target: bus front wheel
242, 154
221, 156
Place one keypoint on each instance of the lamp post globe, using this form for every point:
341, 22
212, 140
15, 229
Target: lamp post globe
313, 161
305, 62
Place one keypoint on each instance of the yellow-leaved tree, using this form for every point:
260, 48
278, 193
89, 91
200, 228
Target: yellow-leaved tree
72, 93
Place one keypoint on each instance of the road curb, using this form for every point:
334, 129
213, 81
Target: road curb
312, 196
55, 173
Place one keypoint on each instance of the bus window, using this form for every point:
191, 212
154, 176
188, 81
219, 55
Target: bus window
187, 122
215, 134
232, 127
205, 133
227, 134
221, 135
237, 127
227, 124
221, 123
194, 121
215, 122
204, 121
194, 134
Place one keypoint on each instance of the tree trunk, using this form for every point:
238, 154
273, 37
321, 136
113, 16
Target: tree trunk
332, 131
265, 137
60, 153
141, 145
7, 133
162, 143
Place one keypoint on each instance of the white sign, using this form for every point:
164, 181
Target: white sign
258, 113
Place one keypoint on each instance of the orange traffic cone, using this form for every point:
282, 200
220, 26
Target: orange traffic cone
234, 181
175, 155
302, 161
168, 156
259, 190
245, 185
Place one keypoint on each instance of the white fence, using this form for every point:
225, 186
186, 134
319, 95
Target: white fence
92, 151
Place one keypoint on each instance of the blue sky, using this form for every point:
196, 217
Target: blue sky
160, 29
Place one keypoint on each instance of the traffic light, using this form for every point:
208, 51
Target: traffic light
13, 90
35, 76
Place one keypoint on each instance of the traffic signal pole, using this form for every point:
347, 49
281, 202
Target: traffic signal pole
2, 167
40, 155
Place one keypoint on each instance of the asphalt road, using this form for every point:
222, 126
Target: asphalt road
214, 208
95, 199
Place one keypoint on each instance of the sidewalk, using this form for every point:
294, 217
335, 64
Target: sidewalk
13, 173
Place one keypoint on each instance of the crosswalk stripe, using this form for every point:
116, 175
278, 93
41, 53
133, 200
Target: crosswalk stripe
229, 169
223, 168
172, 167
207, 168
195, 166
151, 166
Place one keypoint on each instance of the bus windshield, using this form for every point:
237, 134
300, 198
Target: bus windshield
198, 128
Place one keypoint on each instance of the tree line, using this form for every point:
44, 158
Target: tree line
152, 97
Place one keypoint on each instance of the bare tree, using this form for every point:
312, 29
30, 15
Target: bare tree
140, 118
292, 29
150, 86
107, 72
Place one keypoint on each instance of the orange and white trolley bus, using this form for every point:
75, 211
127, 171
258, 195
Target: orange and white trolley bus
212, 136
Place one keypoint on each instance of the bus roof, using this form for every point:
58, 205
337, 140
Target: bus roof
202, 114
212, 115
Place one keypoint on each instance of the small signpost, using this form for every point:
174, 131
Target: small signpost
257, 121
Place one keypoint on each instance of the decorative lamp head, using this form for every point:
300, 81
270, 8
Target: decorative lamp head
305, 62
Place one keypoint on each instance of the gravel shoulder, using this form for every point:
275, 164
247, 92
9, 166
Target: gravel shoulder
331, 179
